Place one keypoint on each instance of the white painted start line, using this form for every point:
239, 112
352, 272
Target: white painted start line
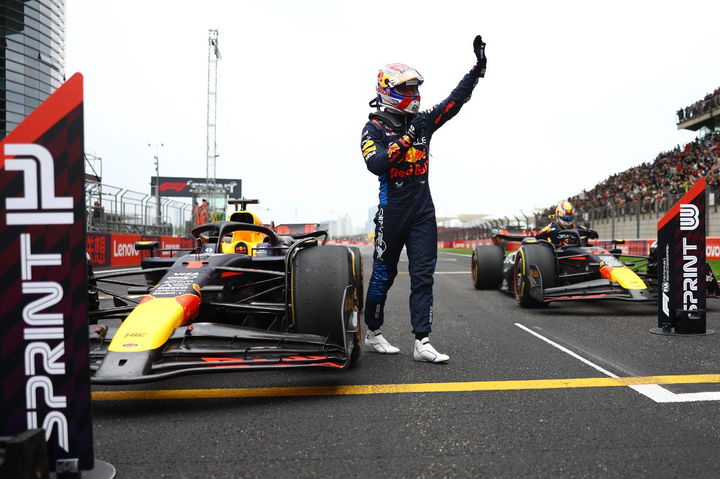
653, 391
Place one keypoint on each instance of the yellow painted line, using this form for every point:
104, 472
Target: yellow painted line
401, 388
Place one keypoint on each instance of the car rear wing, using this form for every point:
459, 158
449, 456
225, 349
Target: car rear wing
154, 246
498, 237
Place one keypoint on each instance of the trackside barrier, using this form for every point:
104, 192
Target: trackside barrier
118, 249
631, 246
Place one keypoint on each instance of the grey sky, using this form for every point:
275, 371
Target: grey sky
574, 92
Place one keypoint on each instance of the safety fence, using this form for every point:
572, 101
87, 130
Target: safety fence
117, 210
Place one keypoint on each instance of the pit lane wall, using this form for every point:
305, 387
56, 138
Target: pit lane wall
631, 246
116, 249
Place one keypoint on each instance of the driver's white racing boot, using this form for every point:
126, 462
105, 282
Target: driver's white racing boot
425, 352
376, 341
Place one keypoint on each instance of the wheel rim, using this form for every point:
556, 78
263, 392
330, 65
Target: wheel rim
518, 274
474, 268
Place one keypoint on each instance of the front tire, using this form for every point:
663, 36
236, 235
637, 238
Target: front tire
543, 257
320, 276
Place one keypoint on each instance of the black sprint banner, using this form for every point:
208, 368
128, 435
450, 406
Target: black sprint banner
681, 264
44, 375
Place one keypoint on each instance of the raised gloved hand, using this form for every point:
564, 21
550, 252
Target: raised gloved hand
592, 234
417, 125
479, 47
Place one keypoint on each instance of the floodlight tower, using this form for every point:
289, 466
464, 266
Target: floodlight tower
213, 57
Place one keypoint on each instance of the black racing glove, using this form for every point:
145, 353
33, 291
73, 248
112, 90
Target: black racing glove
417, 125
479, 47
592, 234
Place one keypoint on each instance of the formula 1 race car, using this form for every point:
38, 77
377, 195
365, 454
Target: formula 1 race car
278, 302
538, 272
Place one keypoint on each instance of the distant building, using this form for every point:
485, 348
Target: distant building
462, 221
32, 56
370, 224
331, 228
344, 225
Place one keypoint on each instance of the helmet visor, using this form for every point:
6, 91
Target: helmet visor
407, 89
399, 74
566, 220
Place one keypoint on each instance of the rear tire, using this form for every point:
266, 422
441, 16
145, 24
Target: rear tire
320, 276
486, 266
543, 257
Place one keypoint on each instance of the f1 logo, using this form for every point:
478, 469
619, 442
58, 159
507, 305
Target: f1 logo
689, 217
34, 208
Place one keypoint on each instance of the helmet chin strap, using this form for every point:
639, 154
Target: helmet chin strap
397, 111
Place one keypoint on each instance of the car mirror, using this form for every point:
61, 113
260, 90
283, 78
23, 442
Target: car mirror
146, 245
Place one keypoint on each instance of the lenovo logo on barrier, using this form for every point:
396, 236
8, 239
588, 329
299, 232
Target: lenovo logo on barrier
689, 217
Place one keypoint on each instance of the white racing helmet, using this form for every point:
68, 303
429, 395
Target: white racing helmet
398, 88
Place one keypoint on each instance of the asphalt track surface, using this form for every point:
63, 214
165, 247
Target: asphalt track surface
574, 390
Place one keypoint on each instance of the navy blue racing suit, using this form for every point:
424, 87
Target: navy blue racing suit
406, 214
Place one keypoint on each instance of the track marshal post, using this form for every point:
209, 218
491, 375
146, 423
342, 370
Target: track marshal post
681, 266
44, 360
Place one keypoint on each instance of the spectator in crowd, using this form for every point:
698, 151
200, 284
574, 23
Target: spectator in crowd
98, 213
710, 102
203, 212
195, 213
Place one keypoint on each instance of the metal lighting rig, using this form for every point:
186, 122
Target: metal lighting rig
216, 195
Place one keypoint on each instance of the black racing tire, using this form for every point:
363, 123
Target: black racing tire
538, 254
357, 274
320, 275
486, 266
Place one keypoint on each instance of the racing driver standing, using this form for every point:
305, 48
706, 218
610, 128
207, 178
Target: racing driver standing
396, 147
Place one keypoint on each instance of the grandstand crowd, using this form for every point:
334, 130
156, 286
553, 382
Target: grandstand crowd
710, 102
670, 174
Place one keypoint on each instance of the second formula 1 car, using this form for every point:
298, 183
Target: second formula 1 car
539, 272
245, 299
